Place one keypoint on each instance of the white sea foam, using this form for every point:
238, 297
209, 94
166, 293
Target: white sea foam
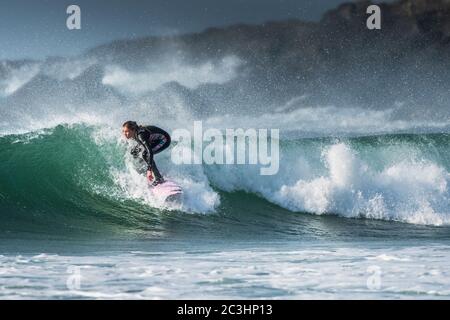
323, 272
342, 183
190, 76
67, 68
407, 191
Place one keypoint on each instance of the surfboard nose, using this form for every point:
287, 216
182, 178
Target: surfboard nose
167, 190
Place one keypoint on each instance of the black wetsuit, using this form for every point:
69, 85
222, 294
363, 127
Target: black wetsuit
153, 140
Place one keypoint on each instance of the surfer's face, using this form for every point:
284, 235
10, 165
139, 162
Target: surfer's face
127, 132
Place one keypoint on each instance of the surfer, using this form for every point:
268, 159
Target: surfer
151, 140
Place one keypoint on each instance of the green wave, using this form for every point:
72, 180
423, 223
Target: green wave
46, 182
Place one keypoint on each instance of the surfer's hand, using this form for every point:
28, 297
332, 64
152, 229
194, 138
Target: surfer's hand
149, 175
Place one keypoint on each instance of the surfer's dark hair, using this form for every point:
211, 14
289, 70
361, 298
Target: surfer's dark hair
131, 125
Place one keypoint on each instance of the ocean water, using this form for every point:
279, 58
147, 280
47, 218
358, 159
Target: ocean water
348, 216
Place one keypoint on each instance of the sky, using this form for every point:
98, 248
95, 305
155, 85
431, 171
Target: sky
36, 29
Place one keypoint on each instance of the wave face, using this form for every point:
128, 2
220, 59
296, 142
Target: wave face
81, 177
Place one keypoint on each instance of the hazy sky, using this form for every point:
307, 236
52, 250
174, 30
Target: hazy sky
37, 28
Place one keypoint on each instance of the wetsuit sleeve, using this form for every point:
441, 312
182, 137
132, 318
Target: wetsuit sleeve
147, 154
154, 129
